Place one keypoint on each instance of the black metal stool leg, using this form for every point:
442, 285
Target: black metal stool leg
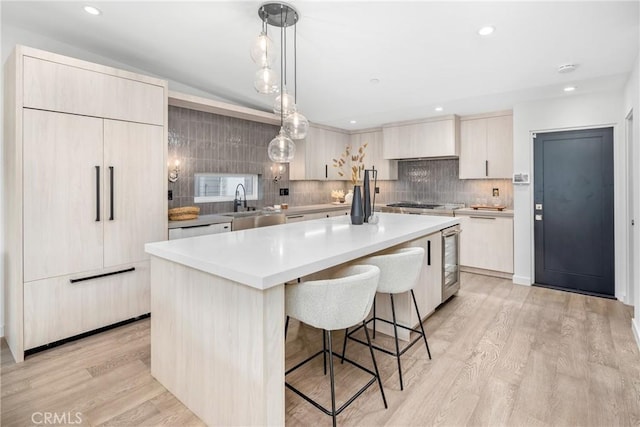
344, 345
420, 321
374, 317
395, 333
286, 327
324, 349
333, 387
375, 365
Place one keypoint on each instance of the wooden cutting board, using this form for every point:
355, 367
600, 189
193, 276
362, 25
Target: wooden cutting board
488, 208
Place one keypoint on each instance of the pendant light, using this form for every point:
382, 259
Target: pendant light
281, 149
293, 125
265, 80
296, 124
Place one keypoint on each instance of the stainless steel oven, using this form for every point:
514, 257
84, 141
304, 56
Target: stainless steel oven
450, 261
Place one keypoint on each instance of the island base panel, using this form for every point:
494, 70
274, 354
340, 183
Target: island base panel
218, 345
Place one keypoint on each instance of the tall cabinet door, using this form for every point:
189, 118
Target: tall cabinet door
63, 228
134, 172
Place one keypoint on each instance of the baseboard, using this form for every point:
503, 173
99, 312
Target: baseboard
635, 326
521, 280
484, 272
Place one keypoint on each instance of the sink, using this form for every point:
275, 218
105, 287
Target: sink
242, 214
253, 219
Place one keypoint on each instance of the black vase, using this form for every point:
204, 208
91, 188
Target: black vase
357, 212
367, 196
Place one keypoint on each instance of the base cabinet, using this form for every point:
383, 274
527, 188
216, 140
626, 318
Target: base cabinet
486, 242
316, 215
65, 306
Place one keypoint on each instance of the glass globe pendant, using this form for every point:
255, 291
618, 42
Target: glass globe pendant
284, 103
281, 148
296, 125
266, 81
262, 52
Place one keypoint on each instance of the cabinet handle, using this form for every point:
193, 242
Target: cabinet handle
428, 252
97, 193
326, 171
111, 193
486, 168
295, 216
483, 217
97, 276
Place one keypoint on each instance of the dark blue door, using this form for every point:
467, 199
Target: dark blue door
573, 210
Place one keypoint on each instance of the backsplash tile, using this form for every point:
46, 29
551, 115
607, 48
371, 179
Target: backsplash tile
205, 142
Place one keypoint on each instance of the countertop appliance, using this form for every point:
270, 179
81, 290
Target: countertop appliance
420, 208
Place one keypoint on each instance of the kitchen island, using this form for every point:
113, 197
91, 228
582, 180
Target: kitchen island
217, 304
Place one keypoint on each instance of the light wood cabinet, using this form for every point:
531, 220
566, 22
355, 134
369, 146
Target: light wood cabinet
81, 88
486, 242
86, 192
387, 169
437, 137
314, 155
486, 146
183, 232
316, 215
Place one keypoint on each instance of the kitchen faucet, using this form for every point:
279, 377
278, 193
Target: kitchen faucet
238, 201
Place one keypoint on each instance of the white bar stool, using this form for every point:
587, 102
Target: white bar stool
333, 304
399, 271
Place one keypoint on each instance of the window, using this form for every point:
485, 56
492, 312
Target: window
221, 187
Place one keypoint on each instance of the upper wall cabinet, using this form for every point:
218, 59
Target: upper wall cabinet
314, 157
437, 137
52, 86
373, 156
486, 146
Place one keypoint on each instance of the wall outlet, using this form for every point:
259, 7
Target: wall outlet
170, 195
377, 190
284, 191
496, 192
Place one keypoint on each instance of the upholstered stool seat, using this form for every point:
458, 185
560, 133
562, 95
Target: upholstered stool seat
399, 271
332, 304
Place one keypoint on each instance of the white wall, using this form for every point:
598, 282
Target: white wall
563, 113
631, 102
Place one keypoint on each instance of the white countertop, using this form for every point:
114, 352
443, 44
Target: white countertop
268, 256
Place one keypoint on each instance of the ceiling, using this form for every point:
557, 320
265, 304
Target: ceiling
425, 54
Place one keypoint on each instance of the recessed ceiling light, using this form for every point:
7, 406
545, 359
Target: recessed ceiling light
438, 108
485, 31
374, 81
569, 88
92, 10
353, 122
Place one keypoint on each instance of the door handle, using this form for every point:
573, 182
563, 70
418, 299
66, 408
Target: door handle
111, 193
326, 171
428, 252
97, 193
486, 168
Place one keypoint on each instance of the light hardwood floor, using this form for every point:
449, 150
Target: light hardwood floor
502, 355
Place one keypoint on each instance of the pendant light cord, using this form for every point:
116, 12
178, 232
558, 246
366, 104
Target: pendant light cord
295, 64
281, 76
